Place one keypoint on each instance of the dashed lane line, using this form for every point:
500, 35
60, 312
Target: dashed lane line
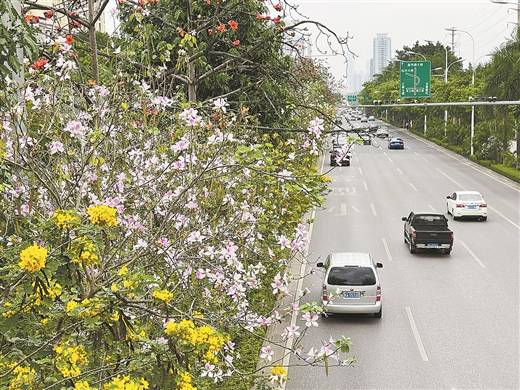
387, 249
416, 334
373, 209
475, 257
413, 187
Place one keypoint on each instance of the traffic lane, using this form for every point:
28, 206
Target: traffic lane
495, 241
373, 338
502, 194
461, 277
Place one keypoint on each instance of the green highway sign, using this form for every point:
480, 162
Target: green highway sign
415, 79
351, 98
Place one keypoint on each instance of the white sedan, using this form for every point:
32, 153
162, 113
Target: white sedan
467, 204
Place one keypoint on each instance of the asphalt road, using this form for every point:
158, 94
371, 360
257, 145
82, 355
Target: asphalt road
449, 322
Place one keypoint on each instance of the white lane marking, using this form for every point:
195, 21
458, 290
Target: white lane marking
385, 154
343, 210
355, 209
387, 249
465, 162
416, 335
380, 148
472, 254
299, 286
425, 159
413, 187
503, 216
432, 208
389, 159
491, 208
399, 171
416, 153
450, 179
373, 209
360, 171
365, 185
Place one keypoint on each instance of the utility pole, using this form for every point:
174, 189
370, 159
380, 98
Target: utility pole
452, 30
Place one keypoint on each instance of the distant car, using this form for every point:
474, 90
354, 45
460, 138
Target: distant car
338, 157
364, 119
467, 204
351, 284
427, 231
382, 133
373, 127
371, 118
365, 137
396, 143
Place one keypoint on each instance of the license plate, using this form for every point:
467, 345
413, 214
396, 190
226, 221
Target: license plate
471, 207
432, 245
351, 294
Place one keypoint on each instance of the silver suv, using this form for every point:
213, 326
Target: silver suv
351, 284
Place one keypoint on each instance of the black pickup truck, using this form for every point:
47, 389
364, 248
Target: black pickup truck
427, 231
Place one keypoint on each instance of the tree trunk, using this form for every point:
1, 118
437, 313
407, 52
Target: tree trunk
92, 41
192, 86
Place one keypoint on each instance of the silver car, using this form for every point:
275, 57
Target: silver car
351, 284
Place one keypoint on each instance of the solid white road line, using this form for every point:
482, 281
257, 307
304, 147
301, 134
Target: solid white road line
399, 171
343, 210
360, 171
355, 209
467, 163
299, 286
472, 254
373, 209
432, 208
387, 249
365, 185
416, 335
413, 187
490, 207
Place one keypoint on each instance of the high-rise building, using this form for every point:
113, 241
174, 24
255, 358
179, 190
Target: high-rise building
382, 53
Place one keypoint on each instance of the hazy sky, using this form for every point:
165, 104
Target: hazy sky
408, 21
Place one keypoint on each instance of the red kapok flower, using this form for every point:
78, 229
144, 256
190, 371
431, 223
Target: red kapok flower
236, 42
69, 39
233, 25
210, 31
277, 7
31, 19
277, 20
48, 14
221, 27
260, 17
120, 2
39, 63
75, 24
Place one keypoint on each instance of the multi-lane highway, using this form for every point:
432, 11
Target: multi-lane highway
449, 322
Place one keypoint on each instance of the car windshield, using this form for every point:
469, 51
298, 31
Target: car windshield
351, 276
429, 220
470, 197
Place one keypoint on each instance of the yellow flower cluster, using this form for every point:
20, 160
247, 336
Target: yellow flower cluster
84, 252
65, 219
279, 371
325, 179
7, 312
162, 295
32, 258
23, 377
82, 385
52, 291
184, 381
86, 308
126, 383
102, 215
204, 337
70, 359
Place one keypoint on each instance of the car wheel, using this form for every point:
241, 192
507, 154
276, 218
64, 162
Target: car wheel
412, 247
484, 219
446, 251
379, 314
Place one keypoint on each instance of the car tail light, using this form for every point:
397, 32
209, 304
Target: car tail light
451, 235
325, 294
459, 205
483, 205
378, 294
414, 233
